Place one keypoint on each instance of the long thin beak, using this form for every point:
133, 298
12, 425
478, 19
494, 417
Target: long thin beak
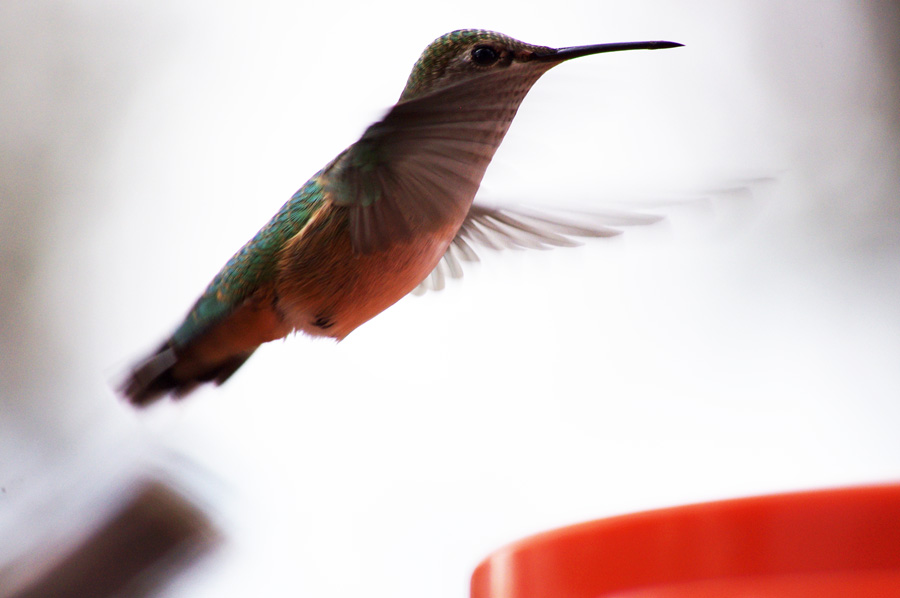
578, 51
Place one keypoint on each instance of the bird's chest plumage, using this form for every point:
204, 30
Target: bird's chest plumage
324, 288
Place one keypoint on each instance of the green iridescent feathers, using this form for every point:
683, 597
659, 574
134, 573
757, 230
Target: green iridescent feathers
253, 265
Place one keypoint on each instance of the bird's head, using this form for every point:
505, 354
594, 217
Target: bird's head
467, 53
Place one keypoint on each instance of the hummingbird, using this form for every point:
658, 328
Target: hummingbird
389, 211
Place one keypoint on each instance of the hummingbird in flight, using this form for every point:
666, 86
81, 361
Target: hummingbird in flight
391, 210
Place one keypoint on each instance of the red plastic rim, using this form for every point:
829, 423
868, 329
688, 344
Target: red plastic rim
825, 544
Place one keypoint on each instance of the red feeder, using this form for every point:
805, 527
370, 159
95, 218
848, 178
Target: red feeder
823, 544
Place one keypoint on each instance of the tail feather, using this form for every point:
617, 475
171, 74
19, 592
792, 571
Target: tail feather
208, 353
167, 373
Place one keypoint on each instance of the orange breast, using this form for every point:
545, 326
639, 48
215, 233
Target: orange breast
324, 289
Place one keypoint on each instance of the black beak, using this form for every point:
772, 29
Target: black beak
577, 51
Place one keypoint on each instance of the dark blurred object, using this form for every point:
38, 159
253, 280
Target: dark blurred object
155, 536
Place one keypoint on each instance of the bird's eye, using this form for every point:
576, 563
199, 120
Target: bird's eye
484, 55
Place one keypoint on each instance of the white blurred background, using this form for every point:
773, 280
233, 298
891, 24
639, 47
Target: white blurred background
749, 344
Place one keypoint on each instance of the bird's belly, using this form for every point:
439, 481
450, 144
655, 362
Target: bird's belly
324, 289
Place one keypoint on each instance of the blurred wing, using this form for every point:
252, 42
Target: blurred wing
420, 167
521, 228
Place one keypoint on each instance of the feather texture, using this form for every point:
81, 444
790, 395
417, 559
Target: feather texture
233, 315
421, 165
499, 228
